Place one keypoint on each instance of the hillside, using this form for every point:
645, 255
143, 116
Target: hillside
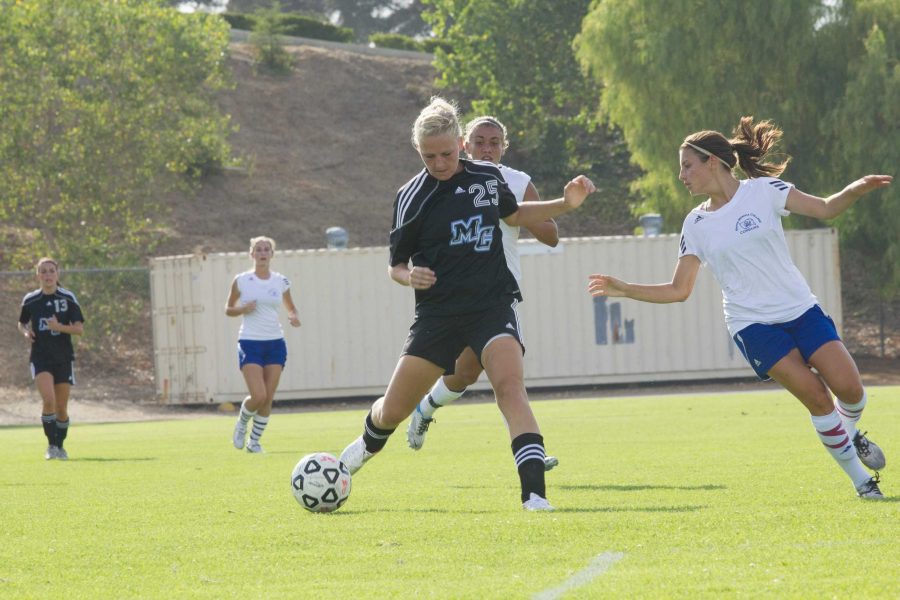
326, 145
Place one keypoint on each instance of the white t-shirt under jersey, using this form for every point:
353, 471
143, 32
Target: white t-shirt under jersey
518, 183
262, 323
743, 243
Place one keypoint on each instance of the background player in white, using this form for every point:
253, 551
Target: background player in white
262, 353
485, 139
445, 224
769, 309
50, 316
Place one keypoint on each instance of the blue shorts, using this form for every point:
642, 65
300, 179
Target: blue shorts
764, 345
261, 352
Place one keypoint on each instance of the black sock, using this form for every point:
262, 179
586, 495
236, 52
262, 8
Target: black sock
62, 430
528, 451
374, 437
49, 423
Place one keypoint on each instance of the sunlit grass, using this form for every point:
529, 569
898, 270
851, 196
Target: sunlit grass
703, 496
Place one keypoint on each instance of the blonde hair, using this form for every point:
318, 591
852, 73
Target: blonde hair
487, 120
261, 238
438, 118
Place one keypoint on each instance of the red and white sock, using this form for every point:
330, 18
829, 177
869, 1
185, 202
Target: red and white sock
837, 441
850, 413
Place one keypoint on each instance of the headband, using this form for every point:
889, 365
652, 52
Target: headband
708, 153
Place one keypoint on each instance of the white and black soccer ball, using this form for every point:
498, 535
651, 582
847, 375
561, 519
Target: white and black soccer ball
320, 482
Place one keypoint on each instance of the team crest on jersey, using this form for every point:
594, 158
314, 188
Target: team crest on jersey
470, 231
747, 223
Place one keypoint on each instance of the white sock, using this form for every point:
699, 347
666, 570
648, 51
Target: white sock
836, 440
440, 395
850, 413
245, 414
259, 425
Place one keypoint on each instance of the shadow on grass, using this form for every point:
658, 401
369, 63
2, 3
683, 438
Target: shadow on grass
105, 459
641, 487
637, 509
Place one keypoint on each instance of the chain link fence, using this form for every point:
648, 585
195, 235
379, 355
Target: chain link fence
114, 357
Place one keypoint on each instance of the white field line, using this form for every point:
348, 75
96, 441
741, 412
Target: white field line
600, 565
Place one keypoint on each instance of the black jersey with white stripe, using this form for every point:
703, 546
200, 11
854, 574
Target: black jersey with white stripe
37, 307
453, 228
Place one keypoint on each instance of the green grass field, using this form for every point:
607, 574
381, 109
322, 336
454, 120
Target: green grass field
709, 496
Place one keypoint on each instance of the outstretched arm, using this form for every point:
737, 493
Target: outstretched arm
532, 213
832, 206
677, 290
546, 232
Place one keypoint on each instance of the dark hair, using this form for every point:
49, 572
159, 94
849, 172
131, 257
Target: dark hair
751, 142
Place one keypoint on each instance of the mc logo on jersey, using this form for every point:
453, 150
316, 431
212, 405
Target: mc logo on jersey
470, 231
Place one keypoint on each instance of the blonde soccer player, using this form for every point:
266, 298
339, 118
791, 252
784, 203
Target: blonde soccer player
256, 296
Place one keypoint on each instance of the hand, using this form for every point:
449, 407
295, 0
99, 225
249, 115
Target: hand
869, 183
53, 324
28, 334
293, 320
606, 285
249, 307
421, 278
577, 190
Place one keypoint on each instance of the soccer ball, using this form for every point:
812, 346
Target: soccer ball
320, 482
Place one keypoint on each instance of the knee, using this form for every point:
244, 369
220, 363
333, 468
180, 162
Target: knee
820, 402
510, 392
467, 376
852, 393
386, 414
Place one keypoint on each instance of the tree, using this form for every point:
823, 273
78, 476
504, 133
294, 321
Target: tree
103, 107
364, 17
825, 71
514, 59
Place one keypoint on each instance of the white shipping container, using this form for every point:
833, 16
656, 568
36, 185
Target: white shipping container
355, 319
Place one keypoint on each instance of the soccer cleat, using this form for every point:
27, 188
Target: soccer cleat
61, 454
868, 452
253, 447
240, 432
870, 490
535, 502
550, 462
418, 427
51, 453
355, 455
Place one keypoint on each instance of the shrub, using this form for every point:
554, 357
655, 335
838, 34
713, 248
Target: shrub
309, 27
395, 40
240, 21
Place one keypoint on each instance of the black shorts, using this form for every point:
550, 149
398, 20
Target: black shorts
442, 339
63, 372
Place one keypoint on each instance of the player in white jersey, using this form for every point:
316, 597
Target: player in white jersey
256, 296
486, 140
770, 311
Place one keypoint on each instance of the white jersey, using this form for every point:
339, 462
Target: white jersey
518, 183
743, 243
262, 323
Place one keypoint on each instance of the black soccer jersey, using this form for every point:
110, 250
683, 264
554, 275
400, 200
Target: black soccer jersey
51, 346
453, 228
